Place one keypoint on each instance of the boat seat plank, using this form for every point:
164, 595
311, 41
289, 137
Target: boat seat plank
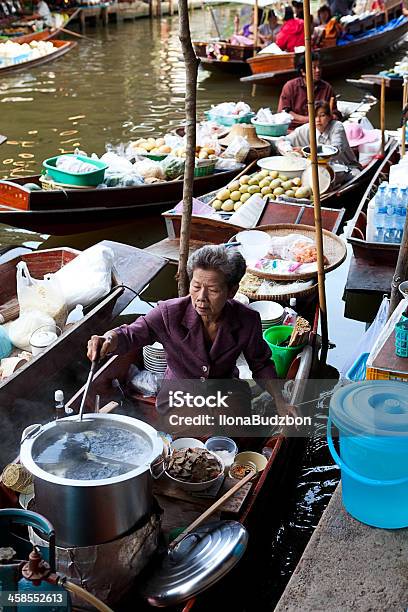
169, 249
176, 515
366, 276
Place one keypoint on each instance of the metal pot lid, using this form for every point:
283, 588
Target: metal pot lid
196, 563
372, 407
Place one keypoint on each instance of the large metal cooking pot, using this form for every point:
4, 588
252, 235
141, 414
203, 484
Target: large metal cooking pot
86, 512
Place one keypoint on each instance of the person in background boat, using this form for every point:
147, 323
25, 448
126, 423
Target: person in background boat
203, 333
41, 11
340, 7
292, 33
269, 30
293, 98
328, 132
323, 18
246, 36
298, 8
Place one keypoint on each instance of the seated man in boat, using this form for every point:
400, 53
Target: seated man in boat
41, 11
292, 32
328, 131
204, 333
293, 98
269, 30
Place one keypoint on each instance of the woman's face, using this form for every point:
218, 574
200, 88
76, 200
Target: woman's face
322, 120
209, 292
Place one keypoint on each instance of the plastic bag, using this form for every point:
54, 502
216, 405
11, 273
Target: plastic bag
88, 277
143, 381
238, 149
147, 168
367, 341
21, 330
285, 246
43, 295
173, 167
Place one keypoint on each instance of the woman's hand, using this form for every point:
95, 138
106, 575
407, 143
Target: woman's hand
99, 346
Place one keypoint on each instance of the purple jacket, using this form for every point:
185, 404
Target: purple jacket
176, 324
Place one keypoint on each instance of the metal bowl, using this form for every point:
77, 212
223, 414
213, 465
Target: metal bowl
198, 486
324, 152
403, 288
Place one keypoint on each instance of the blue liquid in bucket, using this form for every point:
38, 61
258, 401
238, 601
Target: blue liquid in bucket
372, 419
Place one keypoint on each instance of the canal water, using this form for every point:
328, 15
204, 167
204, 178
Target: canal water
126, 81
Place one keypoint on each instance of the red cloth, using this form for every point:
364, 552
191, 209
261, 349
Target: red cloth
294, 96
291, 35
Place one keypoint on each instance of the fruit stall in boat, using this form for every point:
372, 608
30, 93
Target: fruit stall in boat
16, 56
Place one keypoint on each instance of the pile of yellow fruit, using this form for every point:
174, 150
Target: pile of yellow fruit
157, 146
266, 183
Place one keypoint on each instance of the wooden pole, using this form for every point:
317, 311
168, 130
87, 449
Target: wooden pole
191, 68
382, 116
315, 183
404, 123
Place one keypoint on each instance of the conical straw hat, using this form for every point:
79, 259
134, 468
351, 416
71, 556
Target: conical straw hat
245, 131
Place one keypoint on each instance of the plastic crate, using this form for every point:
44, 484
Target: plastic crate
376, 374
264, 129
91, 179
205, 170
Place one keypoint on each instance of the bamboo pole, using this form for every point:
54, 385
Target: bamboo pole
256, 38
315, 183
191, 68
382, 116
404, 123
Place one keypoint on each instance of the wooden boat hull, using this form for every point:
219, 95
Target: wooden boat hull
371, 83
237, 54
46, 33
134, 268
73, 211
61, 48
277, 69
373, 252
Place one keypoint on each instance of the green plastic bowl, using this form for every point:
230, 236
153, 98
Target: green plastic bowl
228, 121
266, 129
282, 356
86, 179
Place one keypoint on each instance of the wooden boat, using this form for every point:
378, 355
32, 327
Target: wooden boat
371, 83
61, 47
45, 34
237, 56
271, 69
72, 211
206, 230
248, 508
133, 267
374, 252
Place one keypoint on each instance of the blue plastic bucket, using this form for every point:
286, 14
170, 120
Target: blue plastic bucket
372, 419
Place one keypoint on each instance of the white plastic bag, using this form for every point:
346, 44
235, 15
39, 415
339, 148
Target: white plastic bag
43, 295
367, 341
238, 149
88, 277
21, 330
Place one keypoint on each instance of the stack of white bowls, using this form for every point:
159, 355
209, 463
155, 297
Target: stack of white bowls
154, 357
271, 313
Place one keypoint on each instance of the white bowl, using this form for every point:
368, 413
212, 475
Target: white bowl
186, 443
290, 166
269, 311
240, 297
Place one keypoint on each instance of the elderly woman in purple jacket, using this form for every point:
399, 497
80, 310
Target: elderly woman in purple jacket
205, 332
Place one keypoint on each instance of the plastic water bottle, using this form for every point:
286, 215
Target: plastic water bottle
391, 201
380, 212
401, 213
59, 404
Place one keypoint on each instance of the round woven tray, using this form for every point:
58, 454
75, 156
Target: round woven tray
333, 247
280, 297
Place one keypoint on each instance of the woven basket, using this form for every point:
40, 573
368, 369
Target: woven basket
334, 249
280, 297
